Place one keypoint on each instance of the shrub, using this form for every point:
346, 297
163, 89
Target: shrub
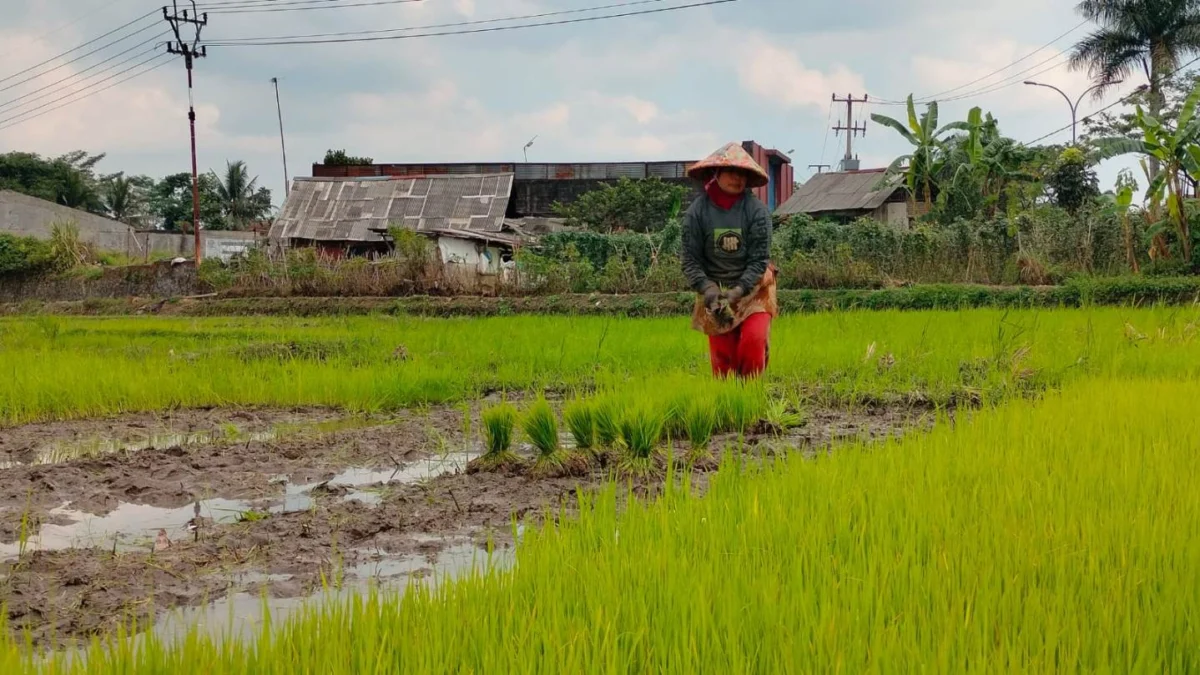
24, 256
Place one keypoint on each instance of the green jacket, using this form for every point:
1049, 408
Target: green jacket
727, 247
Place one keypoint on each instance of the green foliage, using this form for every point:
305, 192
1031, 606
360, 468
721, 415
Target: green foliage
24, 256
498, 424
242, 201
700, 420
340, 158
171, 203
641, 431
580, 418
69, 179
541, 428
1072, 183
644, 205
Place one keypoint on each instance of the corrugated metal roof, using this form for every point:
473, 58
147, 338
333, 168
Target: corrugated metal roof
346, 209
840, 191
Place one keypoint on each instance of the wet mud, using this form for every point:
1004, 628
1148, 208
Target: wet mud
91, 544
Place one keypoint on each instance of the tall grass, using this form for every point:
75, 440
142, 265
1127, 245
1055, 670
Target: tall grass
1049, 536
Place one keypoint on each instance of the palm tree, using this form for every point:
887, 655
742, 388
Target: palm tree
1150, 35
236, 192
928, 157
119, 198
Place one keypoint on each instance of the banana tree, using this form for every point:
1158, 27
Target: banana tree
1176, 151
922, 166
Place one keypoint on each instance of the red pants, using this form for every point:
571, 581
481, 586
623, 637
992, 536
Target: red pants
744, 350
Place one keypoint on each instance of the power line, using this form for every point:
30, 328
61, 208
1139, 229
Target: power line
27, 115
1015, 79
374, 38
1051, 43
989, 88
1124, 99
302, 6
457, 24
76, 75
52, 59
67, 63
72, 22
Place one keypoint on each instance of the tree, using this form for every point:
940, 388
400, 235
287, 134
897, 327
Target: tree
127, 198
340, 158
1072, 183
642, 205
1177, 151
1150, 35
923, 165
171, 203
242, 201
68, 180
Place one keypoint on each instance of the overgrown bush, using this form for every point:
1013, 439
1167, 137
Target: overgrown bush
644, 205
24, 256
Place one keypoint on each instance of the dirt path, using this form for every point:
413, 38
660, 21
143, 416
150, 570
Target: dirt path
378, 498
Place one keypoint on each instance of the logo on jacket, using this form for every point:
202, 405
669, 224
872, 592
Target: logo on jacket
729, 241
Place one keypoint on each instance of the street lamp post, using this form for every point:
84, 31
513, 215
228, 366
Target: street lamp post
1074, 105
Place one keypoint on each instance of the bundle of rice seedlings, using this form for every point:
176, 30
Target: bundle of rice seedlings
641, 430
580, 417
541, 428
674, 417
498, 424
608, 422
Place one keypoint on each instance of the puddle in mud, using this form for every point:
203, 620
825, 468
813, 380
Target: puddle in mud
61, 451
242, 615
137, 526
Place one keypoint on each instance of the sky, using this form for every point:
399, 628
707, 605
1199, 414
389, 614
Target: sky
668, 86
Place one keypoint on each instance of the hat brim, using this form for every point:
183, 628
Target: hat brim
705, 170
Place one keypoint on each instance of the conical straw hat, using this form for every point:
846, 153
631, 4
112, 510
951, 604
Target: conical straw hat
730, 156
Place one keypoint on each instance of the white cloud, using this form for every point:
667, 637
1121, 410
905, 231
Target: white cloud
776, 74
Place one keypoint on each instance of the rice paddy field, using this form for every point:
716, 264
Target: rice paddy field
946, 492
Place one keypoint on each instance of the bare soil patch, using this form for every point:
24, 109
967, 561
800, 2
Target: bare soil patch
352, 497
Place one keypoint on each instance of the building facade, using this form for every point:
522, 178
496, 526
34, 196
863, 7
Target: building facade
537, 186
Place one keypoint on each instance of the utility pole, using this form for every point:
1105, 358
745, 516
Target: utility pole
190, 51
848, 162
819, 167
287, 184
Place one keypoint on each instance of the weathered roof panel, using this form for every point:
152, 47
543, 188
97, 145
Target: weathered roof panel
347, 209
840, 191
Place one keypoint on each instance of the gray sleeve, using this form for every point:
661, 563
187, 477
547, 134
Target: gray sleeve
692, 252
758, 250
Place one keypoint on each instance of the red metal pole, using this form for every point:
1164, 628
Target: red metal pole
195, 171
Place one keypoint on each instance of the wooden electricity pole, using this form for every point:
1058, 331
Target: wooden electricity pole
190, 51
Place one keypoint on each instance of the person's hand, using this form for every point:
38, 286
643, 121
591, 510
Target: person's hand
733, 295
712, 296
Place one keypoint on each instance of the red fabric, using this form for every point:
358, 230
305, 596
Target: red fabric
721, 198
742, 351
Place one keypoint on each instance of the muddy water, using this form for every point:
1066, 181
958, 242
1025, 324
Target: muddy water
243, 615
132, 526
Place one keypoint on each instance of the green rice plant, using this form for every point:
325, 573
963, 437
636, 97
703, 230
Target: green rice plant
641, 432
498, 421
608, 422
541, 428
738, 408
580, 418
675, 412
780, 416
700, 423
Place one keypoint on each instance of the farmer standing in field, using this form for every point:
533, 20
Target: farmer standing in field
726, 258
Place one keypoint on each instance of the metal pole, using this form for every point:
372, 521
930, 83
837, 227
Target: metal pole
287, 184
195, 170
